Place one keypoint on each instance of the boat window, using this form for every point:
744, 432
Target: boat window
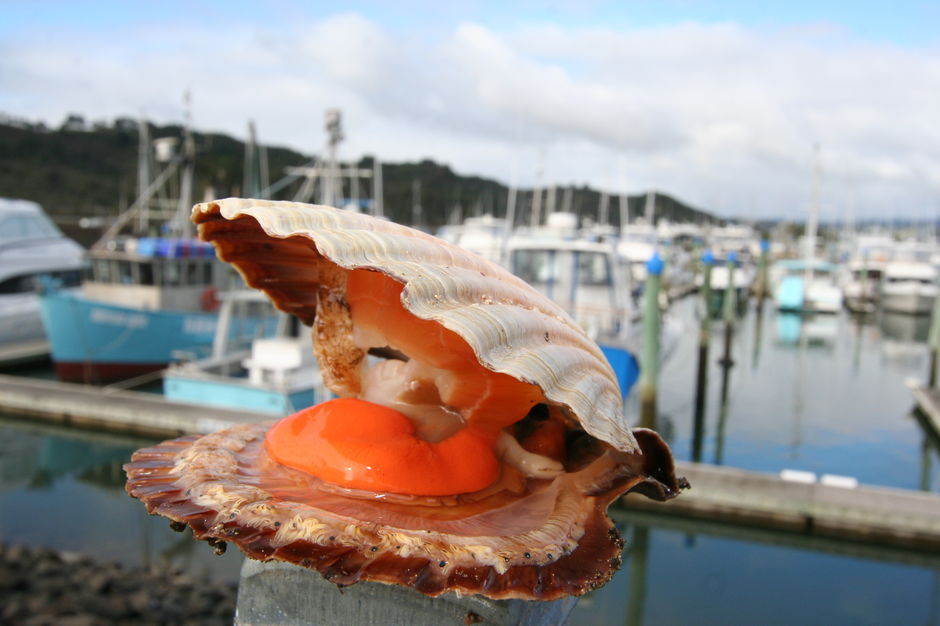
101, 270
125, 274
171, 273
560, 274
593, 269
207, 272
145, 272
529, 265
69, 278
18, 284
193, 275
19, 227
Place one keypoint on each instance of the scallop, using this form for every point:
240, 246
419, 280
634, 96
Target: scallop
477, 437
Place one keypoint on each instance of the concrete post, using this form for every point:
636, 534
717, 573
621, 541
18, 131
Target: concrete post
285, 594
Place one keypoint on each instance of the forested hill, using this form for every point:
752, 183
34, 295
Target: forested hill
81, 170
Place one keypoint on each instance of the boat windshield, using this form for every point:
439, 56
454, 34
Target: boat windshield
24, 226
580, 281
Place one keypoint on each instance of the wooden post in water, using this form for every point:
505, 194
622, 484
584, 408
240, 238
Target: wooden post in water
763, 263
933, 341
730, 306
650, 363
282, 593
727, 362
704, 338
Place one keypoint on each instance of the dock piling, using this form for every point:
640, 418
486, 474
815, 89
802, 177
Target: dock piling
651, 323
704, 339
763, 262
730, 306
933, 341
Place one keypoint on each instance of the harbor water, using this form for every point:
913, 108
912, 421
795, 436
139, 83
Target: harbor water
824, 395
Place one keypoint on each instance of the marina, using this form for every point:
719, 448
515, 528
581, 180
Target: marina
840, 478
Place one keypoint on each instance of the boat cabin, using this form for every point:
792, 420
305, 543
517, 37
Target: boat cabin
155, 273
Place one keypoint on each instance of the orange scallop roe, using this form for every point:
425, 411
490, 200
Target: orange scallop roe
362, 445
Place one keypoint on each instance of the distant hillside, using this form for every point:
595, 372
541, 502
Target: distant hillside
81, 170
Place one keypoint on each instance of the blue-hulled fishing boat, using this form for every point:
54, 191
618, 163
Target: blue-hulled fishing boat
151, 288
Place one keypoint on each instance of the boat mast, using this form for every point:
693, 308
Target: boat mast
334, 131
185, 206
143, 171
811, 226
650, 209
536, 216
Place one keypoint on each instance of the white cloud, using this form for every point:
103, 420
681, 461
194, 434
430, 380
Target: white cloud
722, 116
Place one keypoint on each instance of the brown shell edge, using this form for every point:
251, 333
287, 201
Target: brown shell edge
589, 566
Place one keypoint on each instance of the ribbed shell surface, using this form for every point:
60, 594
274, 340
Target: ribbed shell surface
511, 327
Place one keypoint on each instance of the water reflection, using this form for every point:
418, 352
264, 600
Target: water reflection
819, 394
680, 571
904, 328
64, 488
795, 329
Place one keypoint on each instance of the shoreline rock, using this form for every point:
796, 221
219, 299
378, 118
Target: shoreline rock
42, 586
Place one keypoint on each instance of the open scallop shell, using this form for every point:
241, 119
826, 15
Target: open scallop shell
541, 539
512, 328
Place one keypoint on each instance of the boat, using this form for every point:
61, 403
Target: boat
909, 287
151, 288
638, 241
807, 286
861, 285
729, 271
248, 370
31, 247
484, 235
590, 281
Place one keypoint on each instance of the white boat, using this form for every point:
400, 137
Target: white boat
31, 246
275, 374
588, 280
909, 287
861, 285
484, 235
638, 241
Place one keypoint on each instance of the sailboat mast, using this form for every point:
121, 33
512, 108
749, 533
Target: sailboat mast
143, 172
183, 223
812, 223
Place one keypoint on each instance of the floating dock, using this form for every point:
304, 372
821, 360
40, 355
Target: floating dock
878, 515
828, 509
25, 352
928, 401
112, 409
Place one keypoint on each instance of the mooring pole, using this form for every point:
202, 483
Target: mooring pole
730, 305
650, 362
763, 263
704, 338
933, 340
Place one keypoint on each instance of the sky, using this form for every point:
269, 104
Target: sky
729, 106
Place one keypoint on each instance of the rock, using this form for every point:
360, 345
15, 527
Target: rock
41, 586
